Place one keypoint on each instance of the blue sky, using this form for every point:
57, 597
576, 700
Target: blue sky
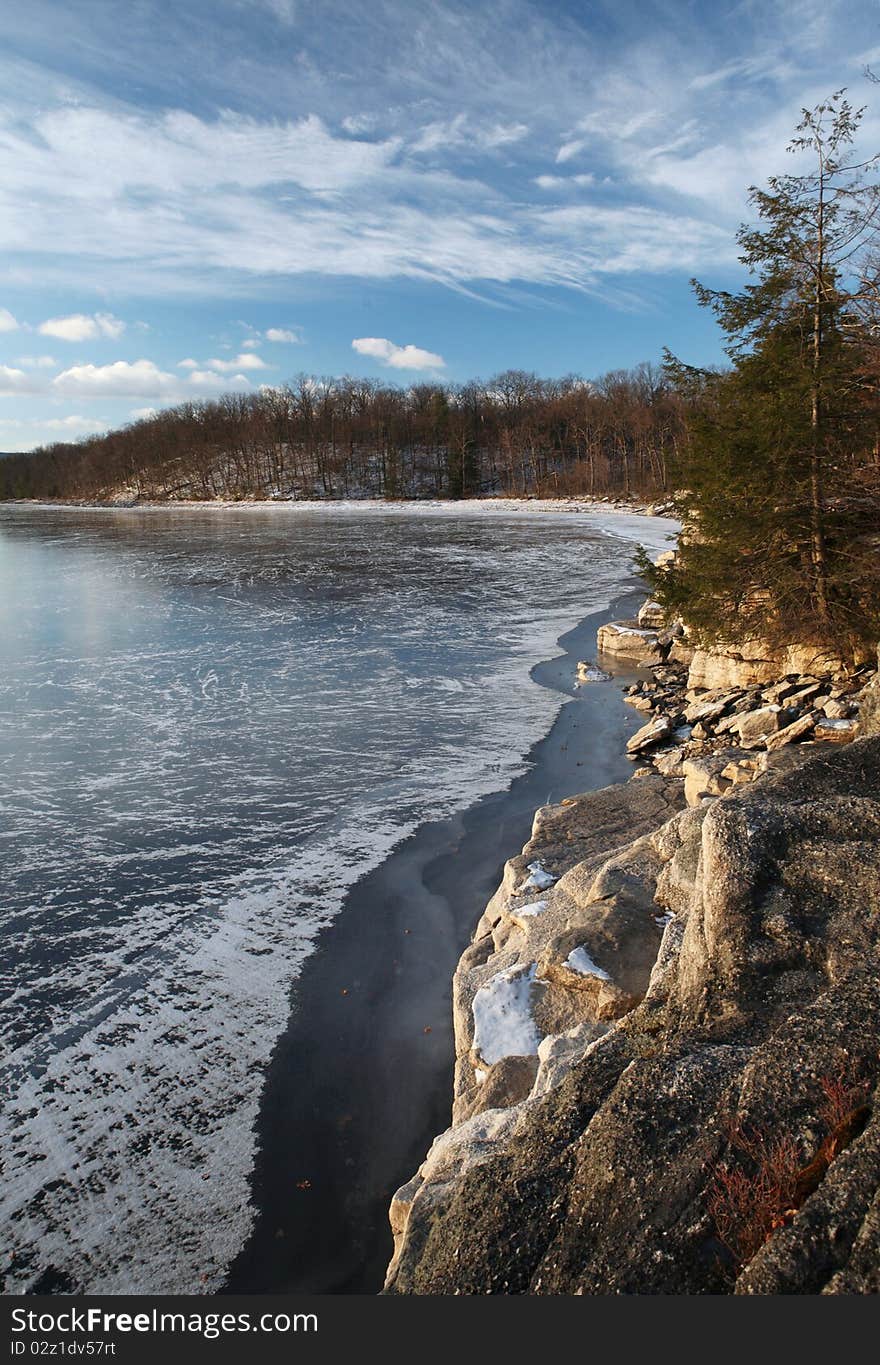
216, 194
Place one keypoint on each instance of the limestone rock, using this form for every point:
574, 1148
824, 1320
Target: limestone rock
681, 652
629, 641
506, 1083
767, 988
839, 731
650, 735
869, 708
796, 730
703, 776
754, 662
651, 616
669, 762
754, 727
592, 884
558, 1053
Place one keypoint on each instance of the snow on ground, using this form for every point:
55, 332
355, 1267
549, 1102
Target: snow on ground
538, 877
579, 961
503, 1023
533, 908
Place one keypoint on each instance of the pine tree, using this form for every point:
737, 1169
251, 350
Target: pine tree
780, 500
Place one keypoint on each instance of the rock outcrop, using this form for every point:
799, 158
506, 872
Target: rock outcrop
753, 663
698, 1113
629, 641
719, 737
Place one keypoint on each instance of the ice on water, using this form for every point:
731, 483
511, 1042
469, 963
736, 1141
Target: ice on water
214, 723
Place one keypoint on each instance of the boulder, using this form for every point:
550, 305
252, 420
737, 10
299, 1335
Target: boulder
650, 735
702, 711
796, 730
754, 727
574, 842
651, 616
703, 775
669, 762
839, 731
588, 672
627, 640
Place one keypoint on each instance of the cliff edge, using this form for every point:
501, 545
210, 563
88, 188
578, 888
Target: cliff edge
668, 1039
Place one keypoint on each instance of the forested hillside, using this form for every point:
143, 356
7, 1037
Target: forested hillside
516, 434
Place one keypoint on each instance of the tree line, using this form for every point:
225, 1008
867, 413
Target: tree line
516, 434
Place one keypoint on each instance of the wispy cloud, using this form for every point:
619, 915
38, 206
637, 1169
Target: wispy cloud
398, 357
515, 152
565, 182
461, 132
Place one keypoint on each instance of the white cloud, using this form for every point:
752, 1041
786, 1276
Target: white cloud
179, 152
121, 379
144, 379
74, 423
188, 364
570, 149
21, 434
398, 357
141, 413
37, 362
83, 327
209, 379
359, 123
279, 334
14, 381
564, 182
246, 361
7, 321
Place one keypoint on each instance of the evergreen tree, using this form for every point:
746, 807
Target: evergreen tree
780, 480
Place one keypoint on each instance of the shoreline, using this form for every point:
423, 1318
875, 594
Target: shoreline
360, 1081
502, 506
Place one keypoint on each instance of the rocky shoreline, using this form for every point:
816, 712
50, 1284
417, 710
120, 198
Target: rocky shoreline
667, 1023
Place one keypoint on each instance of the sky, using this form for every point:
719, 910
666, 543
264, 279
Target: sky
214, 195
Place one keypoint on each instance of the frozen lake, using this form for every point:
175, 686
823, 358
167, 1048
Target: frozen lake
212, 723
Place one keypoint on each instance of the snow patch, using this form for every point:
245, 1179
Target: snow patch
503, 1023
538, 877
532, 908
579, 961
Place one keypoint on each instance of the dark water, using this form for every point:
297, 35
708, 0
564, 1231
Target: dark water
213, 724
